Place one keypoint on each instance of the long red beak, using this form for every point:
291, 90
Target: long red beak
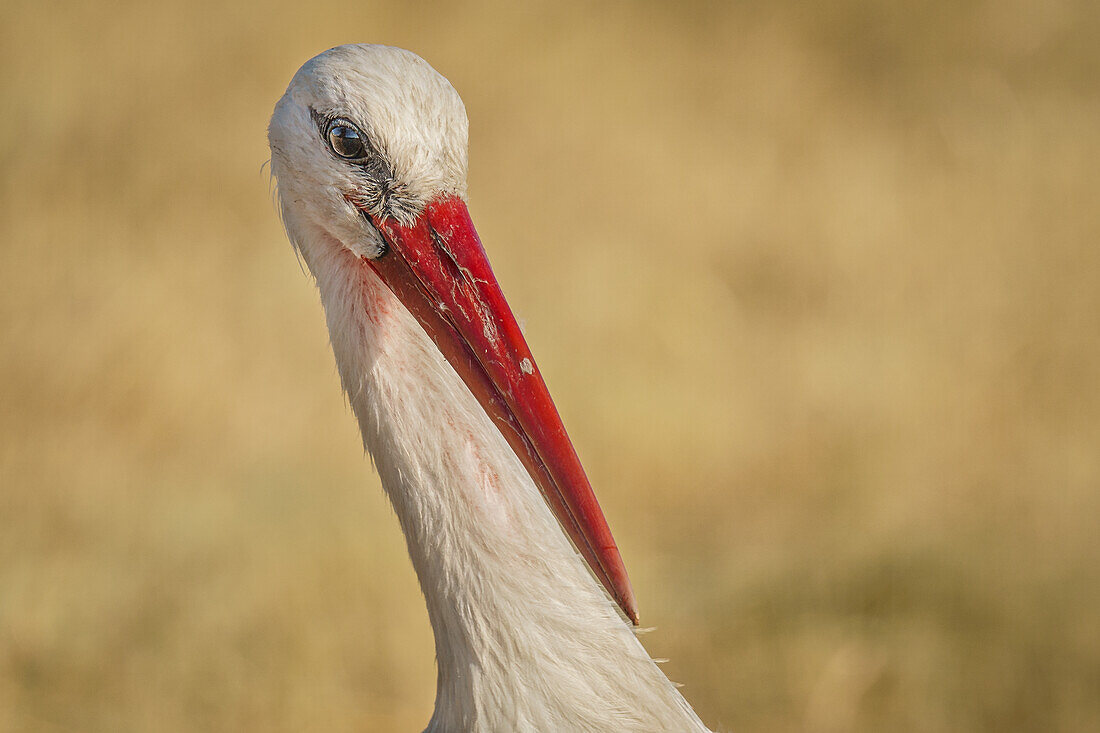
438, 269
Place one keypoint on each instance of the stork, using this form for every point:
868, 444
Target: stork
525, 588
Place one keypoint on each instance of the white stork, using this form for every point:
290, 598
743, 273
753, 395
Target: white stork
368, 147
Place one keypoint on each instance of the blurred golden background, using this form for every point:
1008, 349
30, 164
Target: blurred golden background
816, 288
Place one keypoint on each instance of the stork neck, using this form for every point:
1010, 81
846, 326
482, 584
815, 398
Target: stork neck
522, 630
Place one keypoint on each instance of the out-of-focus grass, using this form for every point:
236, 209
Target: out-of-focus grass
817, 289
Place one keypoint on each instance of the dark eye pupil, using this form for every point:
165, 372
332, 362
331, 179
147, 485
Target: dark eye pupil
346, 141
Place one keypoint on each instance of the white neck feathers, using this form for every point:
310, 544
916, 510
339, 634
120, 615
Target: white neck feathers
525, 637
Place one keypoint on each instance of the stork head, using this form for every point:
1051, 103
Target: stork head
371, 129
369, 149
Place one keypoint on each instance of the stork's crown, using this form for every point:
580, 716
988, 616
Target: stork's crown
416, 135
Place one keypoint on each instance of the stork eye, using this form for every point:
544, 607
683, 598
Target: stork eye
346, 140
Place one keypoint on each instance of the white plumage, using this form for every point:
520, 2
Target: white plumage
526, 638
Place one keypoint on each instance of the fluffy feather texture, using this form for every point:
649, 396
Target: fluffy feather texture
526, 639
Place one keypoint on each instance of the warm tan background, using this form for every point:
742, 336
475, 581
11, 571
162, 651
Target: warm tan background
817, 289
